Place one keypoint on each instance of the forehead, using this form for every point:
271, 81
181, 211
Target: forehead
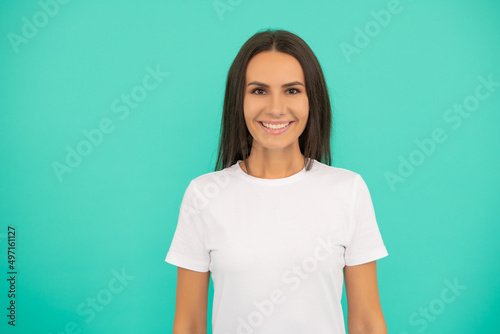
272, 66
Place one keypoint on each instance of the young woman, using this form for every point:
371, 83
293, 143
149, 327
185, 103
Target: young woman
276, 226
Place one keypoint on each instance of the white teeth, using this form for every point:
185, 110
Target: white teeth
275, 126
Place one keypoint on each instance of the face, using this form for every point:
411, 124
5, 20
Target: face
275, 93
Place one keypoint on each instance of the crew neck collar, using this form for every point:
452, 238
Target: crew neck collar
284, 180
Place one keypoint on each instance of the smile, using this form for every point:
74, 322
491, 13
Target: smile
275, 128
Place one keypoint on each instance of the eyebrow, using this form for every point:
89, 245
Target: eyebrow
284, 86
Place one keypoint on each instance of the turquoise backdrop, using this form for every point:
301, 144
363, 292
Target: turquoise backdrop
109, 108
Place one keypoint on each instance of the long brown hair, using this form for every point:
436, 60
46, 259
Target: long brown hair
235, 139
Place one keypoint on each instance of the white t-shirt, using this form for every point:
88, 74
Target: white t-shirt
276, 247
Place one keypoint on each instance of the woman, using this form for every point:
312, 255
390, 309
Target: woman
275, 225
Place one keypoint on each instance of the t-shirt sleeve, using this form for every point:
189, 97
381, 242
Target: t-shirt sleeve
365, 241
187, 249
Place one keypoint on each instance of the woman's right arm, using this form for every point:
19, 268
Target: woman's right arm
191, 302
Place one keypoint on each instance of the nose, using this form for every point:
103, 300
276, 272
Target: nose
277, 106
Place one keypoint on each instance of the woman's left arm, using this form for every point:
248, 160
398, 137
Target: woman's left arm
364, 313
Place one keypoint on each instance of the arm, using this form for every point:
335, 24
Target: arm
191, 302
364, 313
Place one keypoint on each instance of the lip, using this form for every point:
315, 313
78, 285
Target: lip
275, 122
277, 131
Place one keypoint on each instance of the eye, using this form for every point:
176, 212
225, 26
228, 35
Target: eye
256, 89
298, 91
294, 91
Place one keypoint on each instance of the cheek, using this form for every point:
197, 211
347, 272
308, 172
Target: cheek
250, 106
249, 114
303, 108
305, 103
299, 103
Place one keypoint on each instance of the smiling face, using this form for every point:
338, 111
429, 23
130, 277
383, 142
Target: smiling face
275, 93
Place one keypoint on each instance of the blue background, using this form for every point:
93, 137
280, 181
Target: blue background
113, 214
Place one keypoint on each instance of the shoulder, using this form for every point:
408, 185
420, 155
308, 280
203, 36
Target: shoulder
211, 188
337, 175
213, 180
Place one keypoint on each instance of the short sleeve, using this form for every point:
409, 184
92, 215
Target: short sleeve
365, 241
187, 249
